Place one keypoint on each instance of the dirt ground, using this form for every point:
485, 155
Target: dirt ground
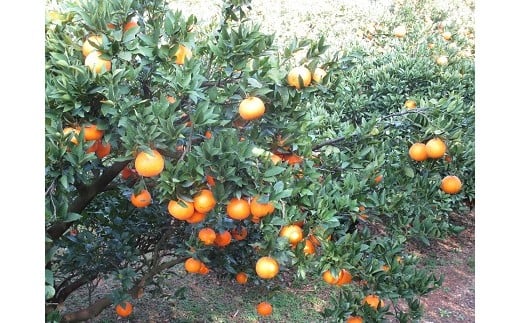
455, 259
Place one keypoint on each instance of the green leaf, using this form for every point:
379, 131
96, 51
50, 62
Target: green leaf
254, 83
273, 171
72, 217
49, 291
409, 172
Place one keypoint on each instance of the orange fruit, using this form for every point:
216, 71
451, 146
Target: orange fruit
210, 180
378, 179
354, 319
143, 199
260, 210
314, 240
267, 267
74, 138
451, 184
223, 238
293, 159
275, 158
207, 236
208, 134
399, 31
435, 148
93, 148
239, 234
442, 60
264, 309
329, 278
241, 278
344, 277
88, 44
181, 210
318, 75
192, 265
170, 99
111, 26
362, 208
204, 201
130, 24
197, 217
293, 233
149, 165
418, 152
91, 132
293, 78
385, 268
127, 172
182, 54
446, 35
103, 149
124, 309
309, 248
203, 269
238, 209
97, 64
410, 104
373, 301
251, 108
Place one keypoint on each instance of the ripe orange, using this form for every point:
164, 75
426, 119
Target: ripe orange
130, 24
207, 236
251, 108
238, 209
344, 277
143, 199
318, 75
296, 73
127, 172
293, 233
204, 201
91, 132
385, 268
223, 238
410, 104
442, 60
260, 210
203, 269
329, 278
124, 309
378, 179
264, 309
208, 134
182, 54
197, 217
418, 152
149, 165
309, 248
93, 148
451, 184
399, 31
373, 301
170, 99
446, 35
181, 210
293, 159
435, 148
241, 278
103, 149
354, 319
88, 44
192, 265
275, 158
239, 235
210, 180
74, 138
97, 64
267, 267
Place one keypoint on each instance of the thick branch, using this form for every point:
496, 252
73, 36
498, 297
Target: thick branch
96, 308
77, 206
328, 142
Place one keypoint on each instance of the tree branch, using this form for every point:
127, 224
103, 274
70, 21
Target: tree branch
79, 204
96, 308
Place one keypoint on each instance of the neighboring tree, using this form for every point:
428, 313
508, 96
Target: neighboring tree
166, 145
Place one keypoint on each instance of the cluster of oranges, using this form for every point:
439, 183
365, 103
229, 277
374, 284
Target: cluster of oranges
303, 73
94, 59
435, 148
90, 133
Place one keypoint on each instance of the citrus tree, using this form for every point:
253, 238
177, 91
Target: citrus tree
213, 149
